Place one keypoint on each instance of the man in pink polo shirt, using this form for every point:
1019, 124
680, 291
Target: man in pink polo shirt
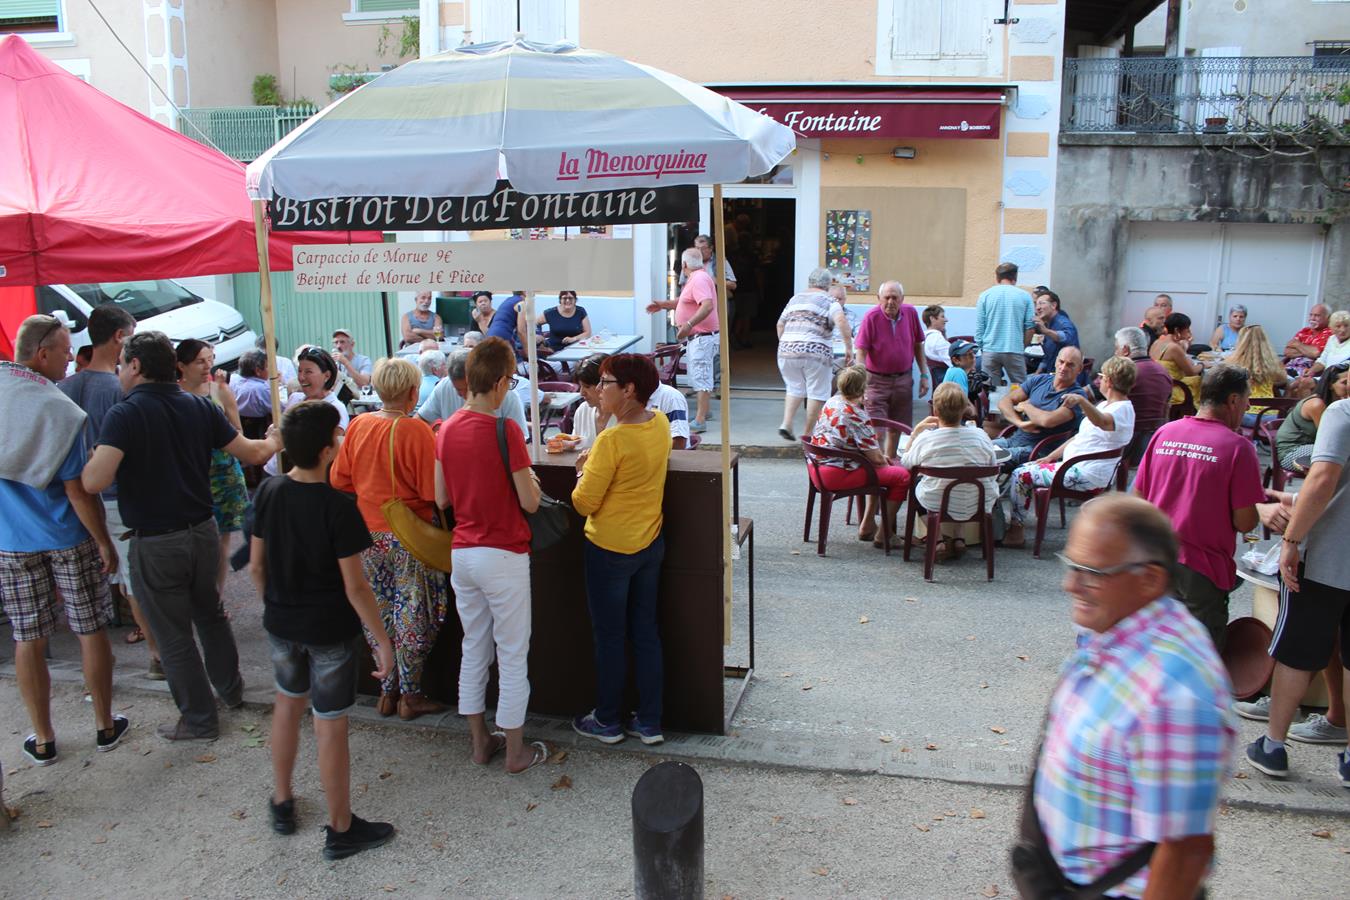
888, 341
1206, 477
696, 319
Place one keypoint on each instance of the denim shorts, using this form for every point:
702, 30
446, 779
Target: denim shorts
327, 673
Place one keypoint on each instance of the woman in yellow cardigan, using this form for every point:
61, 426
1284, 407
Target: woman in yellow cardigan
623, 482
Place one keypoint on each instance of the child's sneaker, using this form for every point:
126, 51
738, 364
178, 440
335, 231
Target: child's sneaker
1343, 766
44, 758
1274, 763
108, 738
648, 734
360, 835
589, 726
283, 815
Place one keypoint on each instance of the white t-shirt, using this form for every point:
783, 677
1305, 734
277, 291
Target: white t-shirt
1091, 439
665, 398
272, 466
961, 446
936, 347
1334, 353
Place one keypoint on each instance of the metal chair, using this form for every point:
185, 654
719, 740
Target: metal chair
815, 457
933, 519
1044, 495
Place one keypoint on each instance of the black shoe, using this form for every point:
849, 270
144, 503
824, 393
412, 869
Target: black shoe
283, 815
360, 835
108, 738
786, 435
46, 757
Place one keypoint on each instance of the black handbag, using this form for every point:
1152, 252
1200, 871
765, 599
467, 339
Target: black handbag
549, 523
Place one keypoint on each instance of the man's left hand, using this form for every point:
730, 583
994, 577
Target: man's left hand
1289, 560
108, 554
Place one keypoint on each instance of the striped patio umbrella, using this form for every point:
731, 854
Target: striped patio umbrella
547, 117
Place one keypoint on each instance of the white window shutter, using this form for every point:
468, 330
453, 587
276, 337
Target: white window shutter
965, 28
917, 29
492, 20
544, 21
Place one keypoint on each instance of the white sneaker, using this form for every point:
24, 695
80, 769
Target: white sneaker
1257, 711
1317, 729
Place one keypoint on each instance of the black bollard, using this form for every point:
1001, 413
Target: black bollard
668, 833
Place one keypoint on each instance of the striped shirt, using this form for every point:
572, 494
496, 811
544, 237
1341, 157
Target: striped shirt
1139, 740
808, 327
1002, 315
960, 446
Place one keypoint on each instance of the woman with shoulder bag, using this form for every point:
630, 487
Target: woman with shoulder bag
390, 455
491, 558
622, 486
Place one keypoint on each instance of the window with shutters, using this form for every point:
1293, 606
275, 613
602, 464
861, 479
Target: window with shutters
541, 21
938, 37
381, 10
32, 17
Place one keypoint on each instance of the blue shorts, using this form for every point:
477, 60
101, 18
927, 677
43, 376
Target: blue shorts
327, 673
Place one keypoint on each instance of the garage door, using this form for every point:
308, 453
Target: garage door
1273, 270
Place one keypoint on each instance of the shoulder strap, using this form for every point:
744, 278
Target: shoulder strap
393, 481
506, 456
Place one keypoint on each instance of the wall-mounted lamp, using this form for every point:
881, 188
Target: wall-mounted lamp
903, 153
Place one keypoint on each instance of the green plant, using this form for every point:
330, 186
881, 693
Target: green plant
347, 78
409, 39
266, 91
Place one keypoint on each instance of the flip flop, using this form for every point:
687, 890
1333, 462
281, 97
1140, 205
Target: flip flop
498, 745
134, 636
540, 754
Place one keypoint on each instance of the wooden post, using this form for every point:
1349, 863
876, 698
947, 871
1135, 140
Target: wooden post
532, 357
724, 405
269, 320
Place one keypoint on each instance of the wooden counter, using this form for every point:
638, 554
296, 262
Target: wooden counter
562, 665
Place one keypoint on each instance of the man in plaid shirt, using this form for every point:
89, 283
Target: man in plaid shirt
1140, 735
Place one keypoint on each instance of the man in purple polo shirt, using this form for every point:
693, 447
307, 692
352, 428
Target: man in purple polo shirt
889, 339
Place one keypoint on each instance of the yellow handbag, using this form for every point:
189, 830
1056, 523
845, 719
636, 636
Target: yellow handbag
428, 542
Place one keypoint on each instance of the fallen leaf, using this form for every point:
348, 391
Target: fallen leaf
904, 749
983, 685
101, 839
976, 812
384, 775
820, 870
1023, 657
796, 553
863, 620
168, 765
206, 758
281, 879
43, 823
807, 687
13, 812
776, 819
146, 751
939, 818
998, 729
886, 738
951, 813
563, 783
531, 807
239, 815
1321, 833
248, 728
850, 801
389, 888
363, 788
930, 746
911, 599
921, 827
788, 674
558, 758
970, 637
438, 845
991, 891
1239, 774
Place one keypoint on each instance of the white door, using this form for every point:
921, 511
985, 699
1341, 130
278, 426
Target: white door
1273, 270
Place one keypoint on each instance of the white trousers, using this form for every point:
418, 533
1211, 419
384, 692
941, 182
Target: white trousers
492, 595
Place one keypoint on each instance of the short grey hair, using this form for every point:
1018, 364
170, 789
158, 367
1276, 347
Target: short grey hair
1134, 338
1237, 307
692, 258
253, 364
470, 339
35, 333
819, 278
1339, 317
457, 365
898, 286
429, 361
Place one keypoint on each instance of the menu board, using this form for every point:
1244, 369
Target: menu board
848, 248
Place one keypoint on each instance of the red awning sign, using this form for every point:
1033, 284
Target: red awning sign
890, 113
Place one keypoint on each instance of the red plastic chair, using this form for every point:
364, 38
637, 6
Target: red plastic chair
934, 518
1044, 495
666, 358
877, 422
815, 485
1271, 407
1044, 445
549, 416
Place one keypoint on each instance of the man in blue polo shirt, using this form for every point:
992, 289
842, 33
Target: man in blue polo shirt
157, 444
1037, 407
54, 544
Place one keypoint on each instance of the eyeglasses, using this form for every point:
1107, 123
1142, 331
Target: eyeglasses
1095, 576
613, 381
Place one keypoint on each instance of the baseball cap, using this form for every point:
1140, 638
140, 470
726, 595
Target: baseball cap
346, 331
960, 348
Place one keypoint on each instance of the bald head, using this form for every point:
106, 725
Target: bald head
1068, 364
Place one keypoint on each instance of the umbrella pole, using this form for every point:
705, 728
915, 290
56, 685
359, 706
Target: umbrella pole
532, 356
269, 320
724, 407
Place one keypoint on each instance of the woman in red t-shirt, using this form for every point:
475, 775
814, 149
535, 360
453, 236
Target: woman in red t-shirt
490, 563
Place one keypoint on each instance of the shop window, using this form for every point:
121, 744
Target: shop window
937, 37
542, 21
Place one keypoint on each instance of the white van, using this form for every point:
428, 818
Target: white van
157, 305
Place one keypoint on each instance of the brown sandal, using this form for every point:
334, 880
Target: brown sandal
387, 705
134, 636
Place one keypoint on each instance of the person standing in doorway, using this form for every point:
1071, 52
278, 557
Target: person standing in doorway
1005, 318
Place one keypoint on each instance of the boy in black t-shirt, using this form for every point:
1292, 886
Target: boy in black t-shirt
306, 563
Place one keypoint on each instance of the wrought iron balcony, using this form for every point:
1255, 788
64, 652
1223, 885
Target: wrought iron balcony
243, 132
1253, 94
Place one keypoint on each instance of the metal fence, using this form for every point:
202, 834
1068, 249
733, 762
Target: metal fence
1171, 94
243, 132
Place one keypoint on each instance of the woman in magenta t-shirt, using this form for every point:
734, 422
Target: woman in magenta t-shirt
491, 556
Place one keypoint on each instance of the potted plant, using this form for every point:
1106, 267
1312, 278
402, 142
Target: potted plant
1216, 125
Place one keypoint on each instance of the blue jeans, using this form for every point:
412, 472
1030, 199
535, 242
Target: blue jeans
621, 591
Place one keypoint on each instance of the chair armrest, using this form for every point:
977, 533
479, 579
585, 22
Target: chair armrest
1057, 484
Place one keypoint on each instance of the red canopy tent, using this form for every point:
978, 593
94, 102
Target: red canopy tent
91, 190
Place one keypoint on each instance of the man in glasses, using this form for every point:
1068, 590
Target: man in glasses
1139, 736
54, 543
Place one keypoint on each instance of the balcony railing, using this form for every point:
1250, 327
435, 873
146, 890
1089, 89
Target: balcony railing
1255, 94
243, 132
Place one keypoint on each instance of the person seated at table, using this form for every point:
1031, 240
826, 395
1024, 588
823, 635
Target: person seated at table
845, 425
1337, 349
482, 311
1037, 408
1170, 350
1054, 326
1254, 353
1298, 431
1152, 391
665, 398
620, 492
421, 323
936, 347
316, 374
941, 440
1152, 324
1307, 345
432, 365
1107, 426
1225, 337
448, 396
567, 323
470, 339
251, 392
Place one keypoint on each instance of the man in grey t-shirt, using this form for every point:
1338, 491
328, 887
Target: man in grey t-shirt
1314, 595
448, 395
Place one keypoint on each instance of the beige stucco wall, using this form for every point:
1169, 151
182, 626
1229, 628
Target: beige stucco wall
111, 69
313, 41
974, 165
1262, 28
229, 42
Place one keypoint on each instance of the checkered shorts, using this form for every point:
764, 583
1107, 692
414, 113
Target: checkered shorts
33, 586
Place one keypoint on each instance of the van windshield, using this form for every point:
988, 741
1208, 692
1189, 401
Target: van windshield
142, 299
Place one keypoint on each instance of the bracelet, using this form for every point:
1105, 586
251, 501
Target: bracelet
1292, 541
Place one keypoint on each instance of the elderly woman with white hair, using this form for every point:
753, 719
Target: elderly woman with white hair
1225, 337
1337, 349
432, 365
806, 349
